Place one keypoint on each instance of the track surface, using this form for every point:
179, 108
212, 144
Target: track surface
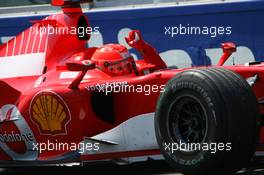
148, 168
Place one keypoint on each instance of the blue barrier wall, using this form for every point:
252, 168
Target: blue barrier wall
239, 22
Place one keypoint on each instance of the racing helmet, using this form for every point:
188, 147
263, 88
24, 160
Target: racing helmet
114, 60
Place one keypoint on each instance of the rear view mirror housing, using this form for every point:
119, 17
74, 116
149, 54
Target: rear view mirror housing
80, 65
57, 2
228, 49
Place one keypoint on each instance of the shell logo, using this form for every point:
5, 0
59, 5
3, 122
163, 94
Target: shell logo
50, 113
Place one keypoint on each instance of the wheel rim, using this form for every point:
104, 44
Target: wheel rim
188, 121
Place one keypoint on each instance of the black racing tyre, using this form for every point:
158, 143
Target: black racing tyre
206, 122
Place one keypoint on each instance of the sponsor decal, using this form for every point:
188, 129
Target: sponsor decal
9, 114
38, 82
16, 137
86, 62
68, 75
50, 113
15, 129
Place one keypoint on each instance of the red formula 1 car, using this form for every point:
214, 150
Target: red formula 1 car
61, 102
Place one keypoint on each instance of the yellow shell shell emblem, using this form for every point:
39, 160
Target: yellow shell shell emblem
50, 113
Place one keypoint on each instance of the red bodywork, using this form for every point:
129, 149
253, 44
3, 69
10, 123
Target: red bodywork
56, 109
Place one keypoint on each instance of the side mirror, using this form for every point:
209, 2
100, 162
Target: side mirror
57, 2
228, 49
82, 66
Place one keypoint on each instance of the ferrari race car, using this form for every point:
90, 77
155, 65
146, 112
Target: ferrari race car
61, 102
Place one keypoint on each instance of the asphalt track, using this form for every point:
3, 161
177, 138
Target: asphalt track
148, 168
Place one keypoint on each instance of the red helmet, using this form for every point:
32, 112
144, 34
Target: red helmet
114, 59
